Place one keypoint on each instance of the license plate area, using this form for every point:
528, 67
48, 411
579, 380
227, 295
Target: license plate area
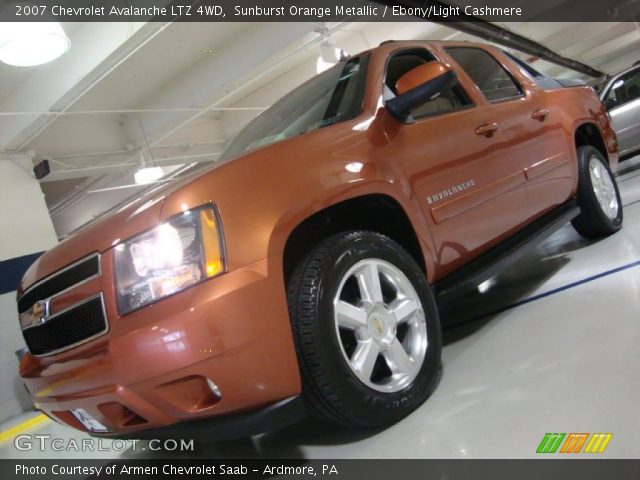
88, 421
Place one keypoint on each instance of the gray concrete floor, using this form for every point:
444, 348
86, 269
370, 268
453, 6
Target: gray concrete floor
550, 346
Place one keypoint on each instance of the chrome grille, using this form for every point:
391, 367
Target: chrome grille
68, 328
47, 332
71, 276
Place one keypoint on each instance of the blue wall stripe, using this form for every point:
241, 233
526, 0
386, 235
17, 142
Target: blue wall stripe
12, 270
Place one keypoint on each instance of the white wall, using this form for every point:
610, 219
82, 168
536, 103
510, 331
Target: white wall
25, 224
13, 398
25, 228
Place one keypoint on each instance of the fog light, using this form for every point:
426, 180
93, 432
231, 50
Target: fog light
214, 388
193, 393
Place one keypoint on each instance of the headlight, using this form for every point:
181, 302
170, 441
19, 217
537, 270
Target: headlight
175, 255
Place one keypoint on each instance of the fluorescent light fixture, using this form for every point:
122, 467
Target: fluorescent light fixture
25, 44
321, 65
148, 175
329, 56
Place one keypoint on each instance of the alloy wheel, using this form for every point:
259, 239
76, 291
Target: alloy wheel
603, 188
381, 325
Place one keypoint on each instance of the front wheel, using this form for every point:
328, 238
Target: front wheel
598, 196
366, 330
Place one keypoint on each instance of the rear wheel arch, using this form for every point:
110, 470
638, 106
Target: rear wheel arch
379, 213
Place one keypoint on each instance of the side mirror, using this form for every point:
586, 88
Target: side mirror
418, 86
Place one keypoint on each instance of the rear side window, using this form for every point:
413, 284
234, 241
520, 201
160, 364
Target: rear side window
491, 77
533, 73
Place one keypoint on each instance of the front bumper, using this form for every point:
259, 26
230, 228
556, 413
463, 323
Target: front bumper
228, 427
150, 371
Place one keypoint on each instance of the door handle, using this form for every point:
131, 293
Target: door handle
487, 130
540, 114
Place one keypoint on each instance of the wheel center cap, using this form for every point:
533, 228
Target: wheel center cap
381, 324
377, 324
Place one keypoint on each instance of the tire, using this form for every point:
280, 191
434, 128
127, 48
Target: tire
598, 196
333, 359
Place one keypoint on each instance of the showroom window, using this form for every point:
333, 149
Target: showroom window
624, 90
333, 96
447, 101
493, 80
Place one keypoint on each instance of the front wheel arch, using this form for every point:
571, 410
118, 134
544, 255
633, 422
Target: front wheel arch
380, 213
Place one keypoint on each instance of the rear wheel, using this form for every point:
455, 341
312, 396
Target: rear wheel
366, 330
598, 196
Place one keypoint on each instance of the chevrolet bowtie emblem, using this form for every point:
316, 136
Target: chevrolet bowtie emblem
39, 312
378, 325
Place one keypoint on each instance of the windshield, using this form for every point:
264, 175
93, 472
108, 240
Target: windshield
333, 96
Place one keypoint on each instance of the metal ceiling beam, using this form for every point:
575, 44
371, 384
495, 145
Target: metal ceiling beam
71, 113
98, 49
204, 75
97, 170
208, 84
496, 34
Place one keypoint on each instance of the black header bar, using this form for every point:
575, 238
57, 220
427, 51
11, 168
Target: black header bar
547, 469
319, 11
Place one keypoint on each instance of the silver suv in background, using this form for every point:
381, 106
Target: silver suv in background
621, 97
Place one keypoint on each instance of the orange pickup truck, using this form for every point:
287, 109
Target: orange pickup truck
302, 272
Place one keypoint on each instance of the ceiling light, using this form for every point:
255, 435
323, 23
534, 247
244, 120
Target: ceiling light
321, 65
329, 56
148, 175
24, 44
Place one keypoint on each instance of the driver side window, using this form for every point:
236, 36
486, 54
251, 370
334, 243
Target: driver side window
447, 101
